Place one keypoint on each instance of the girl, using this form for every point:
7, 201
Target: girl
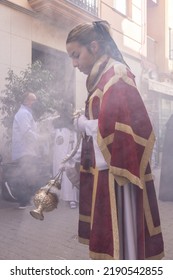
119, 217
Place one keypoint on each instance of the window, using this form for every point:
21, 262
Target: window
170, 43
155, 1
121, 6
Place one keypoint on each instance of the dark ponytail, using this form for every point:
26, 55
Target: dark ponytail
103, 28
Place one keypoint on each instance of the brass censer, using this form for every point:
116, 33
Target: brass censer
46, 198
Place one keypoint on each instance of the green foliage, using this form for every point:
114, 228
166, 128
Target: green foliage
43, 83
34, 78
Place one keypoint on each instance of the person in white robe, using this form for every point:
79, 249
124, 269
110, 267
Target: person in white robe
64, 142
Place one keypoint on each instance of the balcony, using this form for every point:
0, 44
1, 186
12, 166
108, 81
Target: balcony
66, 11
90, 6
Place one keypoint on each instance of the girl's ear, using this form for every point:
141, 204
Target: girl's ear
94, 47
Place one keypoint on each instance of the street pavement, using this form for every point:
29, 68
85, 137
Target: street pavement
55, 238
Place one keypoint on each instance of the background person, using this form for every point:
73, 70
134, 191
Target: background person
64, 143
119, 216
25, 153
166, 175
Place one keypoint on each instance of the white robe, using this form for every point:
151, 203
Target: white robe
64, 142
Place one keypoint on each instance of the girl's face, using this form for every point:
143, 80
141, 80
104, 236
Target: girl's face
82, 57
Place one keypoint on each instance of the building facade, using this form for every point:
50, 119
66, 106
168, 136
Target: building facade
143, 30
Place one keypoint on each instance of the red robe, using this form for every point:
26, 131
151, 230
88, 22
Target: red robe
126, 139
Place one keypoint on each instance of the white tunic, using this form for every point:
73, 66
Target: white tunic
25, 136
65, 140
